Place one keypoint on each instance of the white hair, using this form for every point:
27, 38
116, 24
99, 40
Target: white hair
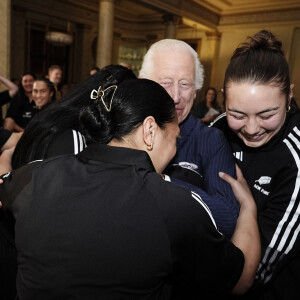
170, 45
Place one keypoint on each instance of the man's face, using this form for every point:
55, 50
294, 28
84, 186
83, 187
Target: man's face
175, 71
55, 76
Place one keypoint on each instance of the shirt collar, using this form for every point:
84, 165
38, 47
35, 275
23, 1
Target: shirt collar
118, 155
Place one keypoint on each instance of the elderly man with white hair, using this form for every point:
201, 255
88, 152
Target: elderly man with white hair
202, 152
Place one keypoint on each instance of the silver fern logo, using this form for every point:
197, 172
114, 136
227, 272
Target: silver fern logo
263, 180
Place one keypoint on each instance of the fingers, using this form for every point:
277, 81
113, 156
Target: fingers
227, 177
239, 174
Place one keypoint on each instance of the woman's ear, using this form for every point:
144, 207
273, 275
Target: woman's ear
291, 91
290, 96
149, 130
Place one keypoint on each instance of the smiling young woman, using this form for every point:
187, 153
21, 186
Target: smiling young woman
263, 128
43, 92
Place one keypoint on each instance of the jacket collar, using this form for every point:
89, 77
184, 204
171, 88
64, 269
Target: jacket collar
117, 155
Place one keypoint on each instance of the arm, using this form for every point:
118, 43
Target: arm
246, 235
11, 125
279, 225
222, 200
12, 141
12, 88
5, 160
221, 211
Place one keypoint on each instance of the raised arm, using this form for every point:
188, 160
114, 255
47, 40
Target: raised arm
12, 88
246, 235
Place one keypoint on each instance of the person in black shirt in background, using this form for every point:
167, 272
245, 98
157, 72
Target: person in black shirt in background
6, 96
22, 108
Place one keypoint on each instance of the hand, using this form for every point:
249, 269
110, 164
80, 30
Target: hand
239, 187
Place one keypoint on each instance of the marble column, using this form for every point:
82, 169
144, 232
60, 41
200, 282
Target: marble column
171, 22
105, 33
5, 11
213, 45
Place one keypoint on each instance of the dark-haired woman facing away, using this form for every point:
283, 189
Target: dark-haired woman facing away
103, 224
263, 128
22, 108
55, 130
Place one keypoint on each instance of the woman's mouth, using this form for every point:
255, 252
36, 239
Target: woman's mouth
254, 138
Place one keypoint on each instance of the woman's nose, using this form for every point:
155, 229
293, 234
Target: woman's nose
252, 126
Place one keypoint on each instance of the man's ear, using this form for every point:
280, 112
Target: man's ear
195, 94
149, 130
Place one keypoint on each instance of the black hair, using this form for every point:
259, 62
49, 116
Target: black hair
50, 86
262, 61
130, 102
62, 115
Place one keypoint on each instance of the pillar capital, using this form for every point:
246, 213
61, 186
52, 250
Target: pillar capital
170, 18
213, 35
111, 1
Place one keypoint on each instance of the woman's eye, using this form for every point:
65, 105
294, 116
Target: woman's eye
238, 117
266, 117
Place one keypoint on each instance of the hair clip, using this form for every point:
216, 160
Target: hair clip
100, 94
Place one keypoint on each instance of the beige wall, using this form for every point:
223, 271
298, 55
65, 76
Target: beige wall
288, 34
5, 38
294, 61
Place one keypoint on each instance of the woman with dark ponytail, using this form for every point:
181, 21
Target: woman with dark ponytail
262, 124
104, 224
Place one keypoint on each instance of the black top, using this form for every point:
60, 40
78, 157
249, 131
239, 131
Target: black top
273, 175
4, 136
4, 98
21, 110
103, 225
67, 142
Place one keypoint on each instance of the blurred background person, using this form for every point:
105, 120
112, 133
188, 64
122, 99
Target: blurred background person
22, 107
207, 109
55, 75
43, 92
94, 70
7, 95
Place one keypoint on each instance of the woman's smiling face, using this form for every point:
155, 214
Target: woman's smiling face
255, 112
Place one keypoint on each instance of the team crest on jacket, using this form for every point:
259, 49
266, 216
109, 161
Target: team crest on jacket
188, 165
263, 180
